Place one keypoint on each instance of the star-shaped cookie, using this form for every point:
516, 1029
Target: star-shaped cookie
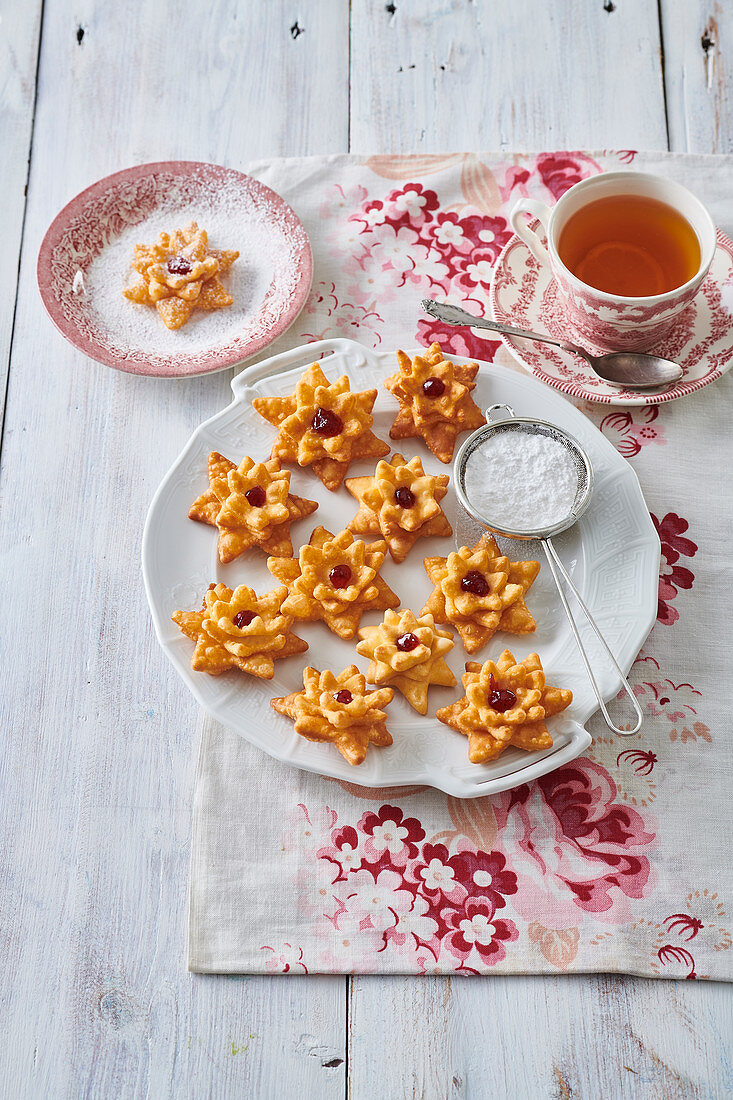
435, 400
335, 578
408, 653
400, 502
480, 591
506, 703
238, 629
339, 709
251, 505
324, 425
179, 274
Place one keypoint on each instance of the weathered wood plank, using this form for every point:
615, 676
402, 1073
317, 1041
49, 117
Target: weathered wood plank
540, 1038
97, 775
698, 75
496, 74
19, 41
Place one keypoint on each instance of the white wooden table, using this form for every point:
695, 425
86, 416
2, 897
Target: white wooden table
99, 739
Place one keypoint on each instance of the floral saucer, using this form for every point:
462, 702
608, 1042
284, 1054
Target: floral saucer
524, 294
85, 257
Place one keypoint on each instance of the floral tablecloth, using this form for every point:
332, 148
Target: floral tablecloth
620, 861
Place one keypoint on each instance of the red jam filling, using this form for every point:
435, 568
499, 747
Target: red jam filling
179, 265
325, 422
405, 497
340, 576
407, 642
500, 699
343, 696
475, 583
243, 618
433, 387
256, 496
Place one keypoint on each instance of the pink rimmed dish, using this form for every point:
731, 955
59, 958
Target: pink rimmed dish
525, 294
83, 266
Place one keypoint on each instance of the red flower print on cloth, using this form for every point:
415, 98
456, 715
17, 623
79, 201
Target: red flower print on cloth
465, 873
392, 890
672, 576
574, 846
661, 698
632, 765
628, 435
379, 888
343, 318
285, 960
473, 928
390, 836
406, 240
701, 917
561, 171
457, 341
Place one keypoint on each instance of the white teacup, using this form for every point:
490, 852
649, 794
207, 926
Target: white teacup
610, 321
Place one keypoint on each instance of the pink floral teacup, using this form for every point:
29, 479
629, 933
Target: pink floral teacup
610, 321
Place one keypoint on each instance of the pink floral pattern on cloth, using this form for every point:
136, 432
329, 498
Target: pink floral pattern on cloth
450, 906
630, 430
616, 862
672, 575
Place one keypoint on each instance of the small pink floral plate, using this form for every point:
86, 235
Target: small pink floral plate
84, 264
524, 294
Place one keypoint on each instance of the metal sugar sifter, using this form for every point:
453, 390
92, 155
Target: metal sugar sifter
584, 472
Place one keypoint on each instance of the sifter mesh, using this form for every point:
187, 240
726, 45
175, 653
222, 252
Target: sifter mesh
524, 426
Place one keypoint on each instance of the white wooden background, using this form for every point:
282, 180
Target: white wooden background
99, 740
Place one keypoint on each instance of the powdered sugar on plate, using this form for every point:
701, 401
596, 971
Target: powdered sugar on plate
229, 224
90, 246
521, 481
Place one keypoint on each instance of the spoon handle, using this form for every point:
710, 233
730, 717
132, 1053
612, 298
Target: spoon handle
453, 315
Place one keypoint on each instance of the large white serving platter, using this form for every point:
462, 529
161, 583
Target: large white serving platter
612, 555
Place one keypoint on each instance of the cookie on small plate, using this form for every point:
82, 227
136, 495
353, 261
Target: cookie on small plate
179, 274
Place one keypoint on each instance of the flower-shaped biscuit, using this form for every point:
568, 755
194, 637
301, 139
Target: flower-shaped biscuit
506, 703
251, 506
409, 653
335, 579
339, 709
400, 503
179, 274
480, 591
435, 400
323, 425
238, 629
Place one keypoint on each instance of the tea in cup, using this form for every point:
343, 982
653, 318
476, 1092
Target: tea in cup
628, 251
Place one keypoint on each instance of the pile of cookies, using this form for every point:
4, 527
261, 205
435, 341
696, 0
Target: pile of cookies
335, 578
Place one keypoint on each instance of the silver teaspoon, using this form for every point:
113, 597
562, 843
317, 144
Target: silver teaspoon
629, 370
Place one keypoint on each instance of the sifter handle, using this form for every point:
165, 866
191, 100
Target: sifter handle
555, 564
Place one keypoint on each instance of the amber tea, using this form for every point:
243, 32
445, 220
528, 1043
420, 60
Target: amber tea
630, 245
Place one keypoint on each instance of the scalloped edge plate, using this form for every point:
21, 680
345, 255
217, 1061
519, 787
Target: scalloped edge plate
94, 217
613, 554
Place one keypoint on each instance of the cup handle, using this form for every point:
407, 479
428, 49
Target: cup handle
535, 209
